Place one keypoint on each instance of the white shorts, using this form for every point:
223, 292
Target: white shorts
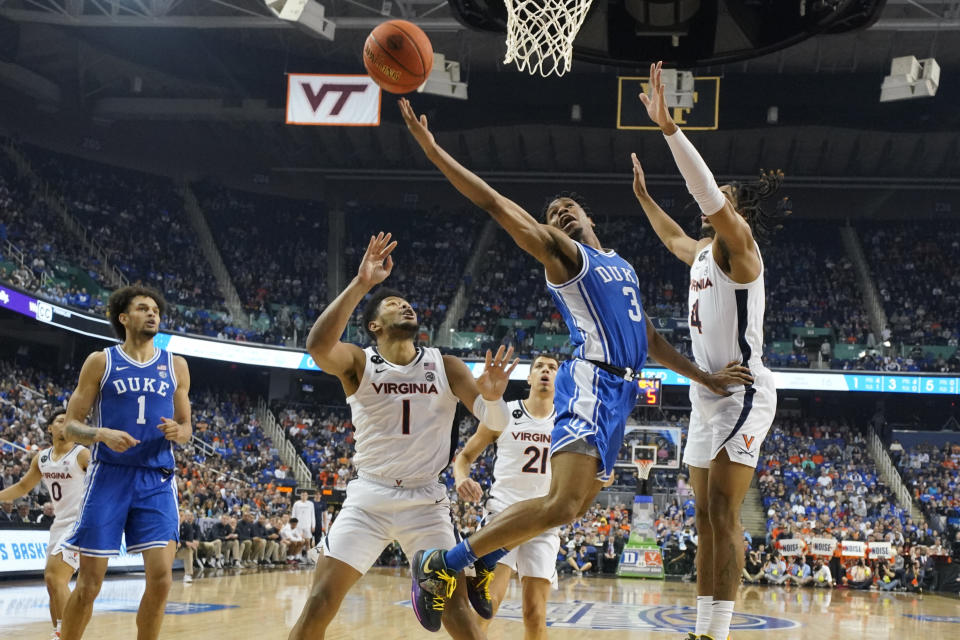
535, 558
304, 532
738, 423
59, 531
374, 515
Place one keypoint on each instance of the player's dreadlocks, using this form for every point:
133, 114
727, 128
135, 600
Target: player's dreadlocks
749, 198
573, 195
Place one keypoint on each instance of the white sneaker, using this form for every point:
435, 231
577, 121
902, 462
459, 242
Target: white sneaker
187, 579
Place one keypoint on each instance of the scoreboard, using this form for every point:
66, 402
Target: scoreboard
649, 392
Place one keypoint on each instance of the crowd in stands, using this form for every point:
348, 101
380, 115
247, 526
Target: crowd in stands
933, 475
430, 258
275, 250
913, 267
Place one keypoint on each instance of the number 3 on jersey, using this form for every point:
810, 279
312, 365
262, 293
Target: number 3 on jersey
635, 313
695, 317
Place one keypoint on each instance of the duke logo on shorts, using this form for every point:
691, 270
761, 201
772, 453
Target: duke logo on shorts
604, 313
134, 492
726, 325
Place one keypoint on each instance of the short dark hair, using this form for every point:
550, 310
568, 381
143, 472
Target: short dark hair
120, 301
293, 521
573, 195
549, 356
372, 309
56, 414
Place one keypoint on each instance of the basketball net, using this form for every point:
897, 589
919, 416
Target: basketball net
643, 468
540, 34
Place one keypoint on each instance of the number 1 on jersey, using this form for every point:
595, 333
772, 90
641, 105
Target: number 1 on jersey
406, 417
142, 403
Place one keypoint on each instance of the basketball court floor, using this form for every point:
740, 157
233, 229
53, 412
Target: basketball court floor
264, 605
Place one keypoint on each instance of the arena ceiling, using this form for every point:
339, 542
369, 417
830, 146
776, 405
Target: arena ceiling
65, 65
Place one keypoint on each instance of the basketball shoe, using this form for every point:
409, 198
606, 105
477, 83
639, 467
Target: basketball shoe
478, 590
433, 585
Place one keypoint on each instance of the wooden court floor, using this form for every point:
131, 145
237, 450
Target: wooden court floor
256, 605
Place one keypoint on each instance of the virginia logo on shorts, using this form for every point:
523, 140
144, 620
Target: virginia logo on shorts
748, 441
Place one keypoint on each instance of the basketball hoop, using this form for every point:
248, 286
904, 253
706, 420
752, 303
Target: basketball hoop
540, 34
643, 468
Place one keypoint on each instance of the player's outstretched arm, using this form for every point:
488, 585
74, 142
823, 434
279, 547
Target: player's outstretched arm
664, 353
179, 429
541, 241
666, 228
78, 407
468, 488
729, 225
483, 395
346, 361
23, 486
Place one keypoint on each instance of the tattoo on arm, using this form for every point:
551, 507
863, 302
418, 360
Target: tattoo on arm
81, 433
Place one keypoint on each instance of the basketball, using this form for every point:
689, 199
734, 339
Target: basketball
398, 56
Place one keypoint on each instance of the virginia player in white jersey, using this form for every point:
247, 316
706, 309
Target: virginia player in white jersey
403, 400
598, 294
141, 409
521, 471
726, 306
62, 468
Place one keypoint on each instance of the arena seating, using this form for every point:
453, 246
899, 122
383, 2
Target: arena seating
913, 266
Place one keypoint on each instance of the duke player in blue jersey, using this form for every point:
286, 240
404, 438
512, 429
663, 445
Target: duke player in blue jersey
138, 394
598, 295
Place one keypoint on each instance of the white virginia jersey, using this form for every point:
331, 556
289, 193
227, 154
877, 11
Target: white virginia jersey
64, 481
726, 318
403, 417
522, 467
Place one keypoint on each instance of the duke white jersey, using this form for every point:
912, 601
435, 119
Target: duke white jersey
64, 481
404, 417
726, 317
522, 467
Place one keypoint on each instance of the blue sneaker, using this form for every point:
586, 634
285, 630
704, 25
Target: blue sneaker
432, 585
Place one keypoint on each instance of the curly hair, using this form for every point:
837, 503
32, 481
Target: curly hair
120, 301
573, 195
749, 198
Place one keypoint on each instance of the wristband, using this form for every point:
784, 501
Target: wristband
493, 414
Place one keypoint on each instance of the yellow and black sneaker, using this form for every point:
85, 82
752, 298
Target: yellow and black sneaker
432, 585
478, 590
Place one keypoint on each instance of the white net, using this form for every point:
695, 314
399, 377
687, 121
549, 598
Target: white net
540, 34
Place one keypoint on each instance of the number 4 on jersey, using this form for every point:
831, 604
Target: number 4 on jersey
695, 317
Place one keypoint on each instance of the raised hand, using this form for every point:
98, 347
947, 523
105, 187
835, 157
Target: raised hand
656, 102
731, 375
496, 374
377, 263
639, 180
417, 126
469, 490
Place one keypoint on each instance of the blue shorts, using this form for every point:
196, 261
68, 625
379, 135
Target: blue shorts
592, 405
117, 499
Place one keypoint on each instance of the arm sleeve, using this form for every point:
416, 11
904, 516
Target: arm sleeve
700, 181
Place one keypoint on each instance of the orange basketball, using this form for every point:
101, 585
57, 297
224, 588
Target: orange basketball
398, 56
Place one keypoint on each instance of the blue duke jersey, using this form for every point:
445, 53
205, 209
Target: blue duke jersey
603, 310
134, 397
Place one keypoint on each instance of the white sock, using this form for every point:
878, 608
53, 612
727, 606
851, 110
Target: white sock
57, 627
704, 611
720, 619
